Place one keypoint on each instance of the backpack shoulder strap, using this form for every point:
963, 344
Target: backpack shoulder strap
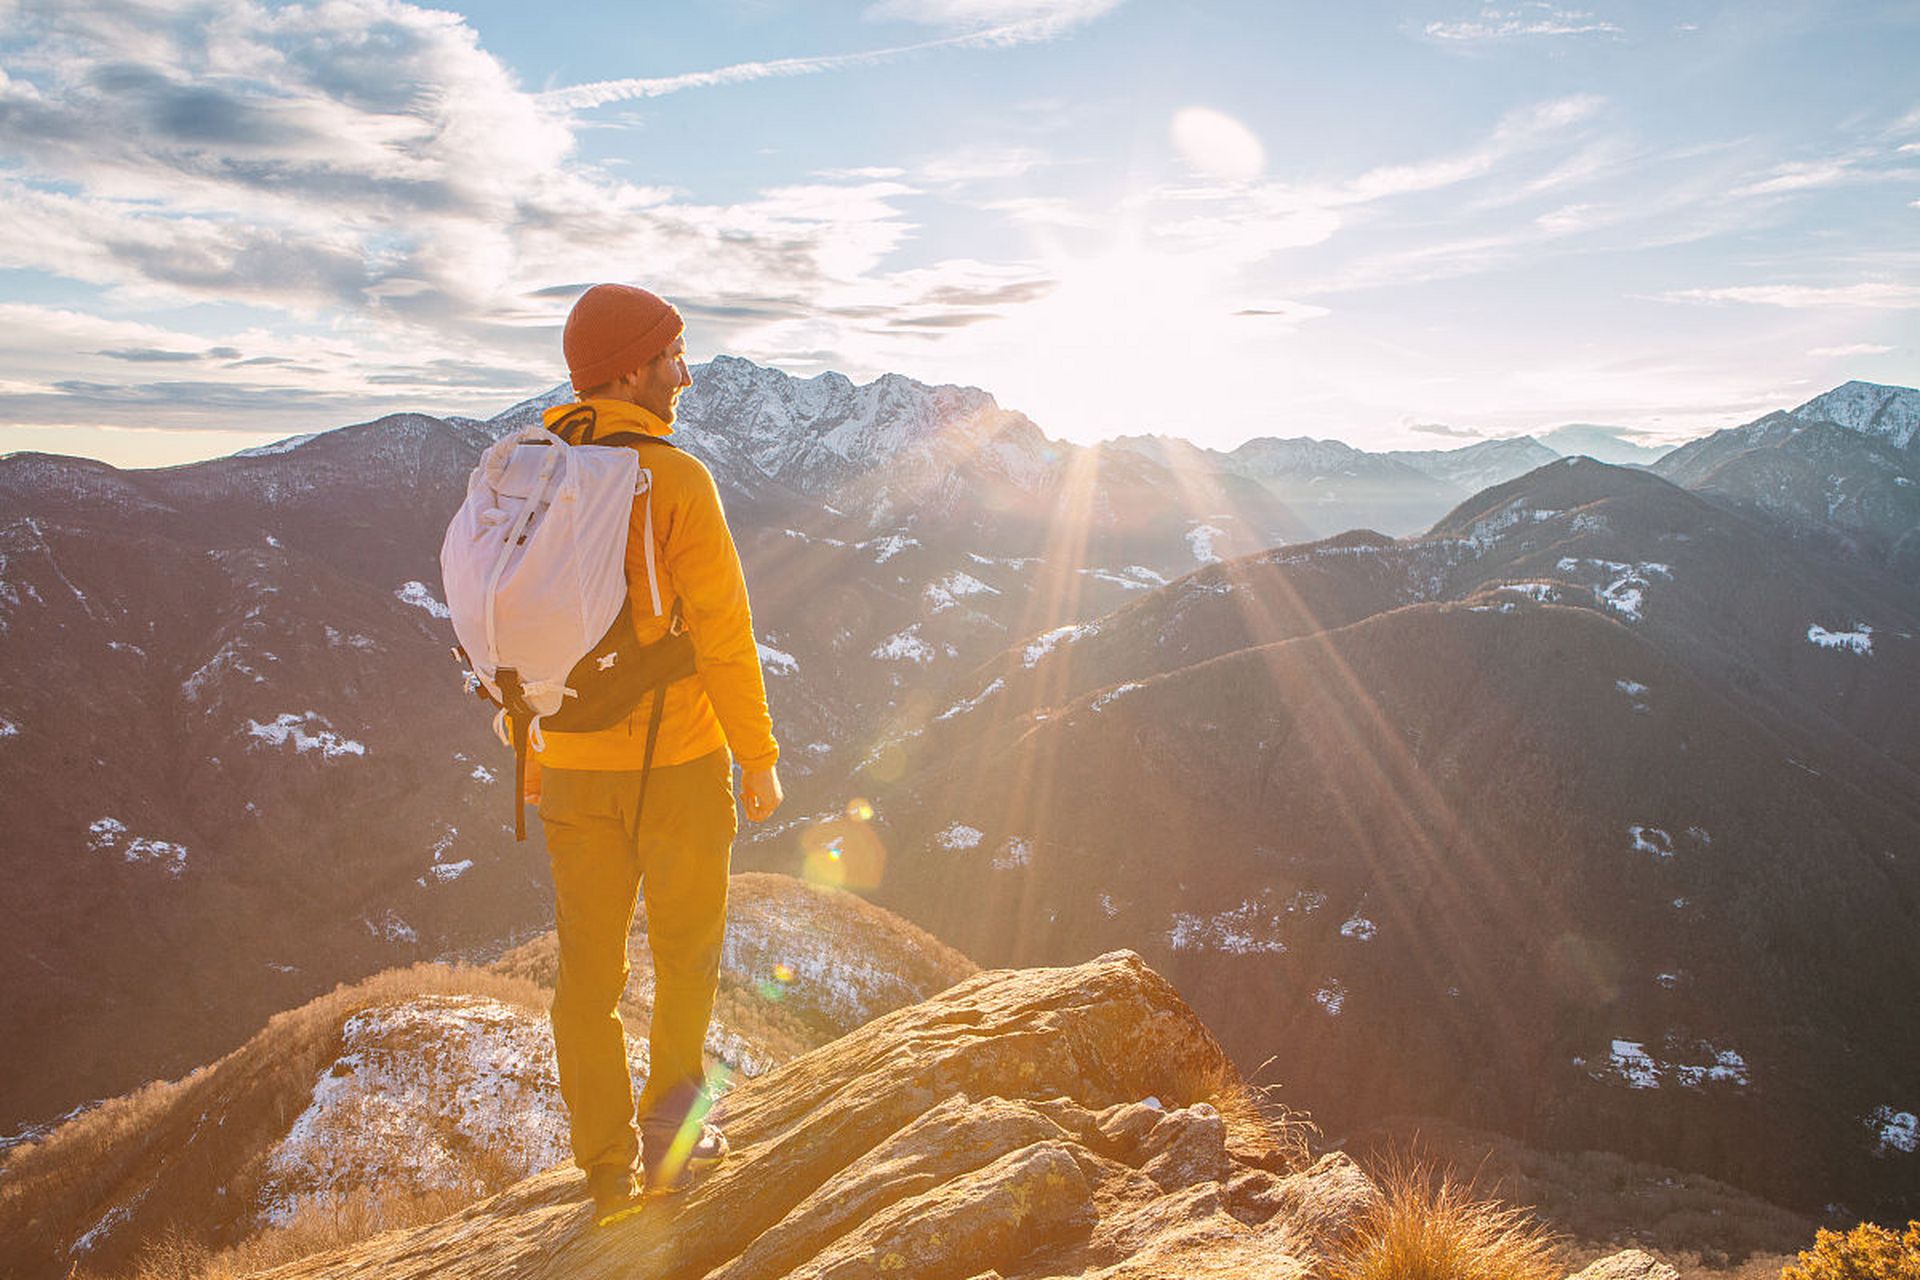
634, 437
577, 427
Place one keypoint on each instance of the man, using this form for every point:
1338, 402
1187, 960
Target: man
627, 358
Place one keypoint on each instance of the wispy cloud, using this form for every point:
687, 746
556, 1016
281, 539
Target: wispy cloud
1015, 22
1851, 349
1531, 20
976, 13
1442, 429
1872, 296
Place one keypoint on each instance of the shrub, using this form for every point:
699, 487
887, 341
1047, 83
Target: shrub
1868, 1252
1426, 1225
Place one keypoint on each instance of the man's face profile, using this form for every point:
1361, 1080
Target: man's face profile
658, 383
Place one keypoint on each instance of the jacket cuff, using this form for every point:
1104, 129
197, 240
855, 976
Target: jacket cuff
766, 761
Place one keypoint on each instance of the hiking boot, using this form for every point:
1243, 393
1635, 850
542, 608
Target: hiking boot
616, 1193
673, 1166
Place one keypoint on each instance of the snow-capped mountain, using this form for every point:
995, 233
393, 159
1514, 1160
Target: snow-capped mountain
1474, 467
1886, 413
1841, 470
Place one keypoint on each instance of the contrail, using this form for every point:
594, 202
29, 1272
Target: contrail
600, 93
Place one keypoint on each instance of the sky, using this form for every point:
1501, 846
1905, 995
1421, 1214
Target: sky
223, 222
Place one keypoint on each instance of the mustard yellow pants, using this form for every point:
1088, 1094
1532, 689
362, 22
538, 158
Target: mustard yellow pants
679, 854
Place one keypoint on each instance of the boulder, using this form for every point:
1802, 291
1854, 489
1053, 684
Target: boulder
1628, 1264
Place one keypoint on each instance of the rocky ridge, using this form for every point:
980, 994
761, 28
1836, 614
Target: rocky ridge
1063, 1122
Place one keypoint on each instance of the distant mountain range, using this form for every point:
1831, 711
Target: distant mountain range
241, 768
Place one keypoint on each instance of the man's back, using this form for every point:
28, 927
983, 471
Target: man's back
695, 563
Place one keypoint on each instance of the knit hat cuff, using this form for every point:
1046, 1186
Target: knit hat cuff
637, 351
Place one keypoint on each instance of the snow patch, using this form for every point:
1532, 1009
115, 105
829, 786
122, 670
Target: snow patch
419, 1088
1359, 928
887, 548
420, 596
1248, 929
1651, 840
481, 773
777, 662
961, 708
110, 835
1894, 1131
1045, 643
1622, 587
447, 872
1015, 851
959, 836
1119, 690
905, 646
1201, 539
1689, 1064
948, 592
1114, 579
1859, 640
1332, 996
8, 729
1630, 1061
304, 732
109, 1220
391, 928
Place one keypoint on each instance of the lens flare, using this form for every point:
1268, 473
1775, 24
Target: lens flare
859, 810
783, 973
888, 763
842, 853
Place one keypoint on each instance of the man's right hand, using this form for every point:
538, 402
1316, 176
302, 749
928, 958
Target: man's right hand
760, 792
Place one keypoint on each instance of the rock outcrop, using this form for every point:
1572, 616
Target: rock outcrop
1061, 1122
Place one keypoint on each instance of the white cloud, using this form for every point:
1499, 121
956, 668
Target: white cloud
1814, 175
1528, 20
1872, 295
980, 164
975, 13
1214, 143
1852, 349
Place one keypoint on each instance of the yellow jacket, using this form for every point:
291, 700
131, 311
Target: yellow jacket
696, 563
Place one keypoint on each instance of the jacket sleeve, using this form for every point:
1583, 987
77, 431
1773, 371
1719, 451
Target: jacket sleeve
705, 569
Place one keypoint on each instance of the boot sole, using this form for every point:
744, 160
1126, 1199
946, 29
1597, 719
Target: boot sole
614, 1216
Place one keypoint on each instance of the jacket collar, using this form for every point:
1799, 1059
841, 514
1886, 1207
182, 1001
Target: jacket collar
610, 416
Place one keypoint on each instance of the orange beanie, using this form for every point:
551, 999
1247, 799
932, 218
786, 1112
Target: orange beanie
614, 329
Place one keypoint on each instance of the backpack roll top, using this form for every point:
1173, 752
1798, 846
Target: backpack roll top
533, 562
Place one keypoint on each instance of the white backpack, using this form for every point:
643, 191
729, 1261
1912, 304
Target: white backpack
534, 568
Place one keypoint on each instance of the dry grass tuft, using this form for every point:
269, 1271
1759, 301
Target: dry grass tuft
320, 1226
1428, 1225
1261, 1130
1868, 1252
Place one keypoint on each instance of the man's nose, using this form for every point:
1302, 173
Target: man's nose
686, 375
